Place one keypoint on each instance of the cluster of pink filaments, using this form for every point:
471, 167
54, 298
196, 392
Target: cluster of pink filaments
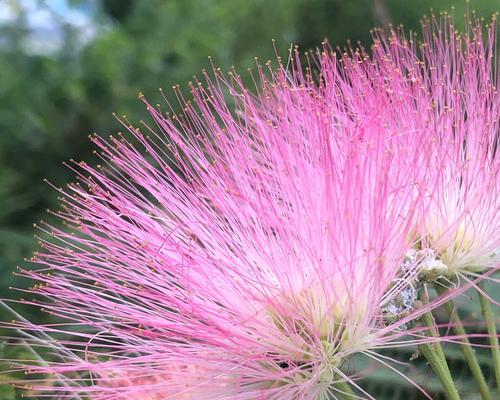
249, 246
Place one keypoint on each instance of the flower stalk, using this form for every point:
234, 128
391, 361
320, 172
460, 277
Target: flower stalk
434, 353
465, 346
492, 331
344, 390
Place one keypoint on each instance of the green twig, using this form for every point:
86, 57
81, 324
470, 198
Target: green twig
434, 353
492, 331
465, 347
345, 390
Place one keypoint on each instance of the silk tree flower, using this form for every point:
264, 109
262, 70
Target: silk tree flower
449, 86
246, 248
453, 100
464, 220
140, 384
230, 255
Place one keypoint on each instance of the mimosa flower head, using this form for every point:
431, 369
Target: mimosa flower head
464, 214
251, 252
450, 83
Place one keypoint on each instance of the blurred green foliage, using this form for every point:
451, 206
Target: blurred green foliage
49, 103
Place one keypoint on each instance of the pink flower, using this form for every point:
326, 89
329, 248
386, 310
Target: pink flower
140, 384
463, 224
451, 99
260, 250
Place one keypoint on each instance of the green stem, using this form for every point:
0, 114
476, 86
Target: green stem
345, 388
492, 331
465, 347
434, 354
